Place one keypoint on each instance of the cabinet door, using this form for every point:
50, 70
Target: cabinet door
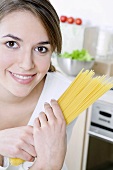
75, 147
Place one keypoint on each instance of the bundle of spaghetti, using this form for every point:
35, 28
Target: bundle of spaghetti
16, 161
79, 83
83, 91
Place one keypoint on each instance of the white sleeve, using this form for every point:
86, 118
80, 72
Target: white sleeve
64, 167
26, 165
3, 168
5, 164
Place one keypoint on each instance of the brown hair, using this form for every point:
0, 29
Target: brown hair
45, 11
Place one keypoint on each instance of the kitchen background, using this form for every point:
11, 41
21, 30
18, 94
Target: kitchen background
97, 12
97, 22
91, 144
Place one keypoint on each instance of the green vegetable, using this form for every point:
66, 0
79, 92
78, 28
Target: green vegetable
81, 55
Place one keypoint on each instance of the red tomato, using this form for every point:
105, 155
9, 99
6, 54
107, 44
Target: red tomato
78, 21
70, 20
63, 18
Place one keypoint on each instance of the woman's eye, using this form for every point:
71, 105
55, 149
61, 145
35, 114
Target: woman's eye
41, 49
11, 44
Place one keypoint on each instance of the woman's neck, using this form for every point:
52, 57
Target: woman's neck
18, 111
7, 97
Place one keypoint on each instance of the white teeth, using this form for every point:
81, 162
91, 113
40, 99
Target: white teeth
22, 77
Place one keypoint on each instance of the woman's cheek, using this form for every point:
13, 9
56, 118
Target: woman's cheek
7, 57
43, 65
6, 61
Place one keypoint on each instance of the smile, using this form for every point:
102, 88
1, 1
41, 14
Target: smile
22, 79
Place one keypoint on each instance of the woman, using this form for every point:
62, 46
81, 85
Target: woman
32, 126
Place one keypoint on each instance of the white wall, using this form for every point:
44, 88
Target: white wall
98, 12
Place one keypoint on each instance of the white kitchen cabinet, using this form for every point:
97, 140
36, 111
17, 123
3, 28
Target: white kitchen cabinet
86, 139
76, 144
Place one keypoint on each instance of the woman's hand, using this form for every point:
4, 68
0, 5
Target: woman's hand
18, 143
50, 138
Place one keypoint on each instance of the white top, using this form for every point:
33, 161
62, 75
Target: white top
55, 85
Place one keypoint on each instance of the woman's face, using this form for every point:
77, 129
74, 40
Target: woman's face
25, 53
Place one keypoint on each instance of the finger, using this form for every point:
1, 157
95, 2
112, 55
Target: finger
24, 156
49, 112
27, 136
29, 129
30, 140
56, 109
29, 149
43, 119
37, 123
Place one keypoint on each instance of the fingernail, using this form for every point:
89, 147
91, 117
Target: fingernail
53, 100
32, 159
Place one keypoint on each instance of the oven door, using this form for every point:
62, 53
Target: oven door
101, 124
100, 147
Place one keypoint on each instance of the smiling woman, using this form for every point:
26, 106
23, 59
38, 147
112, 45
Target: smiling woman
32, 126
29, 55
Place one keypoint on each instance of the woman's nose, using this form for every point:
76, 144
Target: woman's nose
26, 60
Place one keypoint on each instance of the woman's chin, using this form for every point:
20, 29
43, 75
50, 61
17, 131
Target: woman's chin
20, 93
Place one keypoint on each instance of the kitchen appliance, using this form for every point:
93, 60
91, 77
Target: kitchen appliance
99, 42
102, 120
100, 131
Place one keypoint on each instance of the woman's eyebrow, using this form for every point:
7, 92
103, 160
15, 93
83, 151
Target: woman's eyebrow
44, 42
19, 39
13, 37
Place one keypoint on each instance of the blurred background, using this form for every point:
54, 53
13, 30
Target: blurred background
94, 34
97, 12
91, 144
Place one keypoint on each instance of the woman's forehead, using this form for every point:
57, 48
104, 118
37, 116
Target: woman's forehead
23, 19
23, 25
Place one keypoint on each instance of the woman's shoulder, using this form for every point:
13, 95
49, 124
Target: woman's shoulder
59, 77
56, 83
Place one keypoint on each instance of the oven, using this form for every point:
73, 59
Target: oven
100, 147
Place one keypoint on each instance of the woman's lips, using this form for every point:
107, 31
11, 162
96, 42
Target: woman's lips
22, 78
